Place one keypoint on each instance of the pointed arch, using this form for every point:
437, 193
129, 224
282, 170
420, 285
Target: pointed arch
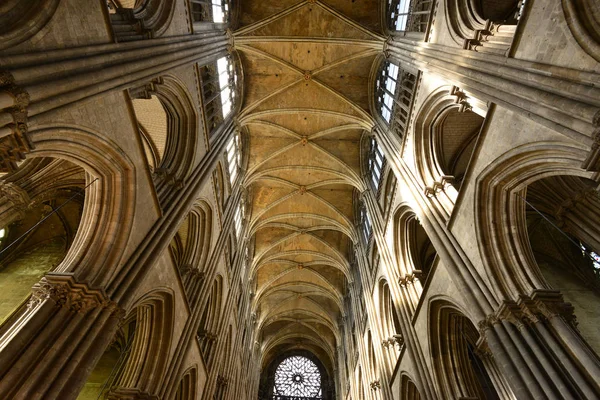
210, 320
149, 355
187, 389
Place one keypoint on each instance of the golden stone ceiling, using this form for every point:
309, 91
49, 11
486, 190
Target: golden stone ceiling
306, 106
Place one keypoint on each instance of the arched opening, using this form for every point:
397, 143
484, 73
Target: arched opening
190, 247
13, 30
167, 124
408, 389
486, 25
139, 19
562, 214
460, 371
583, 19
152, 124
390, 321
447, 128
187, 385
455, 135
111, 364
421, 250
209, 322
41, 207
372, 360
138, 353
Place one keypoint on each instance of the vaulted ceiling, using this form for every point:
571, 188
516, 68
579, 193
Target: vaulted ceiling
306, 105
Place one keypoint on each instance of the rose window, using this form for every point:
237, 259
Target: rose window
297, 378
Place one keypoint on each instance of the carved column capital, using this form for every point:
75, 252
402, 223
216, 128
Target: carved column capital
66, 292
16, 143
15, 194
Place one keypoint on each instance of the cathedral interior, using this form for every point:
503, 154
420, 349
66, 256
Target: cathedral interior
299, 199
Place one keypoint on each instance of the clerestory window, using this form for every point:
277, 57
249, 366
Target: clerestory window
219, 82
365, 223
394, 93
233, 158
409, 15
238, 218
210, 11
375, 163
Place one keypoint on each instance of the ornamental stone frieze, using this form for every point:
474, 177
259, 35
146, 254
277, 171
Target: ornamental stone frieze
14, 140
66, 292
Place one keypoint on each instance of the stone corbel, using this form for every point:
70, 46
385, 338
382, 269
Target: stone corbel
438, 186
375, 385
462, 99
397, 339
222, 381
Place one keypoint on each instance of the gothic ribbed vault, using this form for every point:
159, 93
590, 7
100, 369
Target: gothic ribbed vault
306, 106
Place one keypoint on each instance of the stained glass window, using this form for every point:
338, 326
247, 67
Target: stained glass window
297, 378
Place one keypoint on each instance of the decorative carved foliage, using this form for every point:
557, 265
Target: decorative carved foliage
66, 292
14, 141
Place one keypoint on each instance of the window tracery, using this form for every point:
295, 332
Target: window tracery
233, 158
238, 218
394, 93
297, 378
210, 11
219, 86
409, 15
375, 163
365, 223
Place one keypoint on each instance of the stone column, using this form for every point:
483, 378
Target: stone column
539, 350
56, 340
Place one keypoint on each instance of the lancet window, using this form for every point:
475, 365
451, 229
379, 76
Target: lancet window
233, 157
210, 11
394, 90
365, 224
219, 83
375, 162
238, 218
409, 15
297, 378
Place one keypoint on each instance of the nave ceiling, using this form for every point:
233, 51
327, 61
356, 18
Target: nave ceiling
306, 106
